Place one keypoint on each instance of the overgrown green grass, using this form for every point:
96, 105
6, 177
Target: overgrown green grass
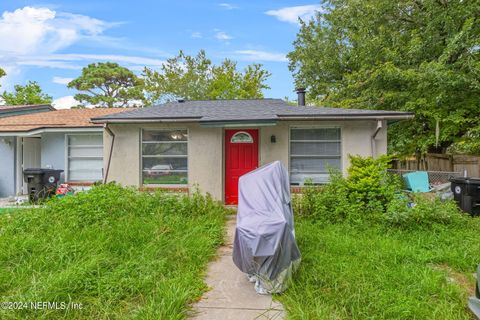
372, 252
355, 272
373, 272
9, 210
120, 253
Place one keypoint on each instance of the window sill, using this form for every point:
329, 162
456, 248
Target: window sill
299, 189
167, 188
80, 183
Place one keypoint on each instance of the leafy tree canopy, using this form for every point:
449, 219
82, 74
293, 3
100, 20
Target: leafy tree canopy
31, 93
196, 77
2, 73
108, 85
413, 55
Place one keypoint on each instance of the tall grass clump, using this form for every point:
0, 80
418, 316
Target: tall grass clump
119, 253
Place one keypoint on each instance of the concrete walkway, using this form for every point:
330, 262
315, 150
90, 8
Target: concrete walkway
6, 202
231, 296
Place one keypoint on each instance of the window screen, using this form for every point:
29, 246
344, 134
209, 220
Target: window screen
85, 157
165, 157
313, 151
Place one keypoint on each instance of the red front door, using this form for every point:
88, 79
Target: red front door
241, 156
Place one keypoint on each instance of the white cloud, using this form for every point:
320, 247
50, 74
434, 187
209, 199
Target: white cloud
42, 30
31, 36
256, 55
45, 62
106, 57
61, 80
291, 14
74, 61
65, 102
197, 35
228, 6
223, 36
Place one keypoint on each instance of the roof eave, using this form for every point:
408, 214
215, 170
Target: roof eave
402, 116
347, 117
238, 123
40, 130
142, 120
28, 107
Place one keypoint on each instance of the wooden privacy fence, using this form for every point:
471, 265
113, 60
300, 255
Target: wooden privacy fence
469, 165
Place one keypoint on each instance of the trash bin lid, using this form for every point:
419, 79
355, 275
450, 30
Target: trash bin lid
40, 170
466, 180
33, 171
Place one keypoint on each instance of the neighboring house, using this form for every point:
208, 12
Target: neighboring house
61, 139
9, 111
210, 144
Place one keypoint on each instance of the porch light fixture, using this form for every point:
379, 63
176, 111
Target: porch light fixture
273, 139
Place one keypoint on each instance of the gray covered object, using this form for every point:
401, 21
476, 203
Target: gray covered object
264, 243
474, 302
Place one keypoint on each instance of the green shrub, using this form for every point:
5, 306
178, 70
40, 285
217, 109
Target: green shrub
371, 194
363, 195
418, 211
369, 182
326, 203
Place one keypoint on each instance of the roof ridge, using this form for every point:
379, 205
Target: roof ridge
240, 99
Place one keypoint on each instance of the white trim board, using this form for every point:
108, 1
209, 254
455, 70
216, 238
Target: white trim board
46, 130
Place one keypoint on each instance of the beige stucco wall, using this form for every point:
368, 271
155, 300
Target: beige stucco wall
206, 147
356, 139
204, 155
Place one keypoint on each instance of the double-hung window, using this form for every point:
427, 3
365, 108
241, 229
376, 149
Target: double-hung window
84, 157
165, 157
313, 152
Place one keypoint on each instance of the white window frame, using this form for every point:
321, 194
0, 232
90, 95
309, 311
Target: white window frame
67, 157
165, 156
316, 156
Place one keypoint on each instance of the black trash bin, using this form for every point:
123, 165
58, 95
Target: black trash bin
466, 192
41, 183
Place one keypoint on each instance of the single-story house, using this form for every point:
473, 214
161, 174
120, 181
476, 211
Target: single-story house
9, 111
60, 139
210, 144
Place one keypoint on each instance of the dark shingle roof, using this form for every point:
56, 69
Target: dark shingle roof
242, 110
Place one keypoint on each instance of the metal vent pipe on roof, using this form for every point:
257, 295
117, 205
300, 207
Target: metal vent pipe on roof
301, 96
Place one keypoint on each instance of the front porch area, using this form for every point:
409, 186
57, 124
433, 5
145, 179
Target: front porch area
78, 153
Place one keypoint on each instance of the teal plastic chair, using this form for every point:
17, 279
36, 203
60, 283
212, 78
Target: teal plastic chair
417, 181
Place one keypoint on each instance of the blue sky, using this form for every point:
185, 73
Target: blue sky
50, 42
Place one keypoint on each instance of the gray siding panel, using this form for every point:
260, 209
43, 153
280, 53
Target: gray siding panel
53, 151
7, 167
